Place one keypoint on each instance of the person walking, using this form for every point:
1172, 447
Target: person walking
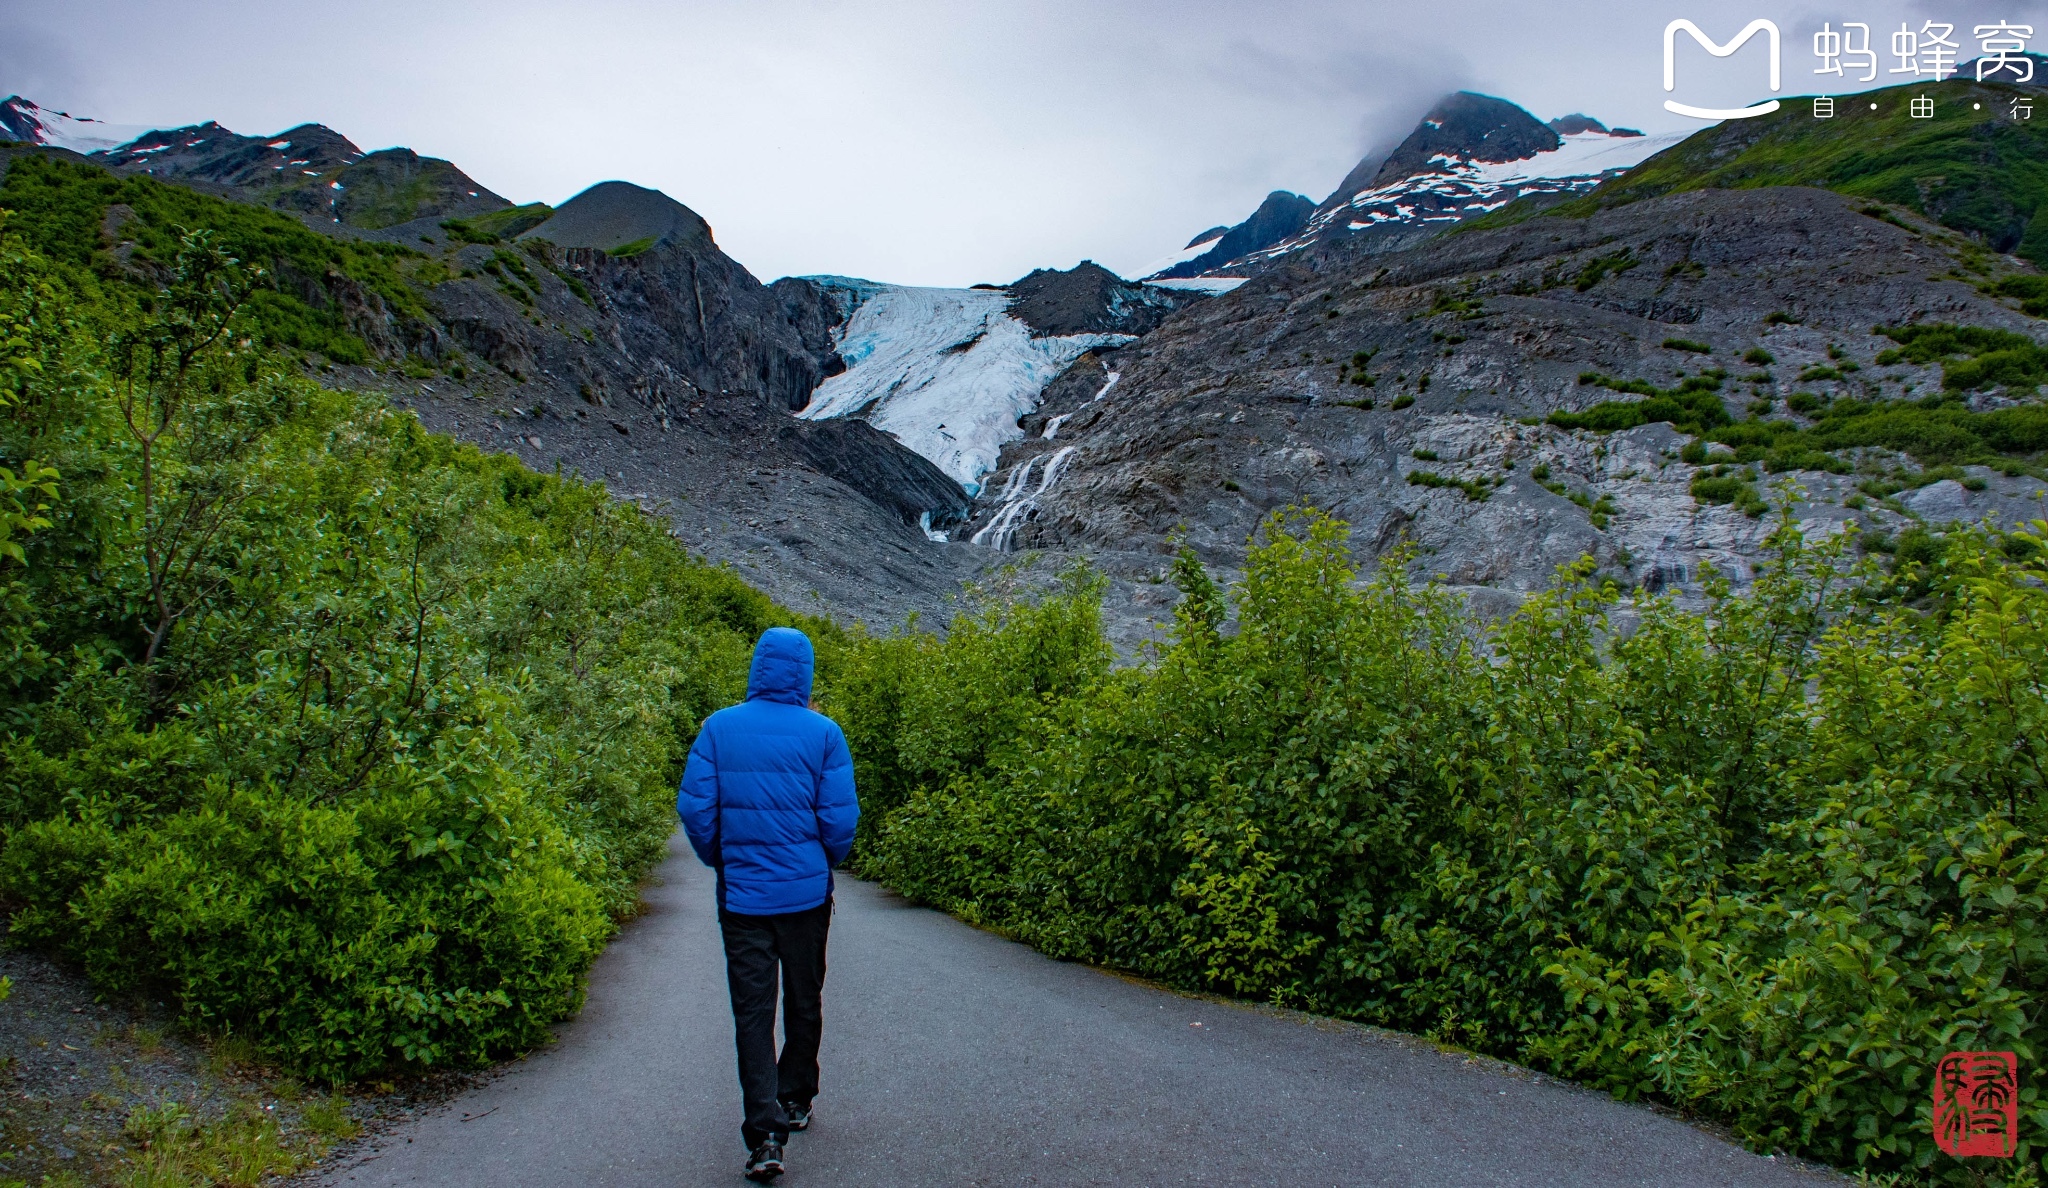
768, 802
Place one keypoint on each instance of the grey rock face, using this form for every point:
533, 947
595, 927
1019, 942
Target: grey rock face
673, 381
1283, 392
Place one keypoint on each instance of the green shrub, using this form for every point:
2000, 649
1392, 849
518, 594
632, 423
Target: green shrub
1600, 267
1477, 490
306, 284
1759, 356
1766, 862
1973, 357
1726, 488
341, 738
1693, 406
1687, 344
2031, 291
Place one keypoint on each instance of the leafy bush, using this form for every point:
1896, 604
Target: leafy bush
2031, 291
1477, 490
1934, 432
1767, 862
345, 739
1719, 487
1973, 357
1693, 406
1600, 267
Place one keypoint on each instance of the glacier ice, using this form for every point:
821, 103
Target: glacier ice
947, 371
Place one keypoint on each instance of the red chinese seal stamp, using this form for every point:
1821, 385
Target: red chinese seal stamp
1977, 1103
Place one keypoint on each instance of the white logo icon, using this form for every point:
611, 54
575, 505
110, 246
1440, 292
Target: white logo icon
1720, 51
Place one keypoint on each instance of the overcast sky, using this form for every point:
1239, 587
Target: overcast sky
918, 141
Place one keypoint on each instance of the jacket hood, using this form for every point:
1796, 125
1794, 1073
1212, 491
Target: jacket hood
782, 667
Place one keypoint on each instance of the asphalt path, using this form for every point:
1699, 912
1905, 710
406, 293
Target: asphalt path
953, 1057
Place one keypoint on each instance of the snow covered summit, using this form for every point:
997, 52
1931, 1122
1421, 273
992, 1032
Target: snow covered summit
1471, 154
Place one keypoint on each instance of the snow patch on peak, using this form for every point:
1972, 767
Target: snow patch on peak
24, 120
1587, 154
948, 372
1453, 187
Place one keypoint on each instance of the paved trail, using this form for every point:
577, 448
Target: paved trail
955, 1058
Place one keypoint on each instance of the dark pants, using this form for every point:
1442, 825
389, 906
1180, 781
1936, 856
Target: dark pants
754, 947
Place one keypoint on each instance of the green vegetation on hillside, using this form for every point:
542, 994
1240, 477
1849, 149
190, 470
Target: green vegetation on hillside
1938, 430
498, 225
345, 740
315, 294
1767, 862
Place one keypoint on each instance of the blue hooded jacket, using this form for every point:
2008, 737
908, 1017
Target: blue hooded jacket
767, 796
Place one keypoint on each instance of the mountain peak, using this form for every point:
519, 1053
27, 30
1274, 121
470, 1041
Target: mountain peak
1282, 214
614, 214
1468, 126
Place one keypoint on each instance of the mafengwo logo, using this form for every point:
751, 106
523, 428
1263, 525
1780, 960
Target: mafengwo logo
1671, 32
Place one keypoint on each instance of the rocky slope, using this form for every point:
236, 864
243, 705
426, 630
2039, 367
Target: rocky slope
672, 372
1342, 371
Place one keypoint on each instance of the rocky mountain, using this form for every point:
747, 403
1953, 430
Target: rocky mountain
309, 170
1089, 299
1470, 155
1410, 392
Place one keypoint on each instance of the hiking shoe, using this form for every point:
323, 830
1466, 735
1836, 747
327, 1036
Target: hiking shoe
799, 1115
765, 1163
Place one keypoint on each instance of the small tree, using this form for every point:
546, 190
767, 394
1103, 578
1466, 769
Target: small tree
186, 505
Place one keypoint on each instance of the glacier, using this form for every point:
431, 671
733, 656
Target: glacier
948, 372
